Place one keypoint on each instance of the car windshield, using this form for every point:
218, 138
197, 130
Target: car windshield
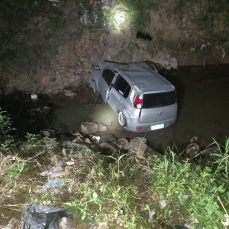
159, 99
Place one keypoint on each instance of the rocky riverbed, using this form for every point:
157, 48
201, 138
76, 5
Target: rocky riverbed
56, 174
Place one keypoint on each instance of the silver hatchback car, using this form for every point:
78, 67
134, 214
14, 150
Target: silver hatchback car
141, 97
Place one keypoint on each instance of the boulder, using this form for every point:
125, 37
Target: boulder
76, 144
58, 192
66, 223
173, 63
108, 138
89, 127
138, 146
67, 144
107, 149
68, 170
192, 150
87, 140
53, 173
77, 134
210, 150
102, 127
122, 143
50, 141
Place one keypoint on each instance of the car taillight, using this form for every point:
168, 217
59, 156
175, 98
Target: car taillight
138, 102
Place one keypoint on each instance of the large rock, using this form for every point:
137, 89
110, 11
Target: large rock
66, 223
108, 138
50, 142
138, 146
192, 150
107, 149
210, 150
102, 127
75, 144
122, 143
163, 58
89, 127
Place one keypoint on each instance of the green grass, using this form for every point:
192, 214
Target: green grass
125, 190
190, 192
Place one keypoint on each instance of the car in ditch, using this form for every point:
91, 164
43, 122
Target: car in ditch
142, 98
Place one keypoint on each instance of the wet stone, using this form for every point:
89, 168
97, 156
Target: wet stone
66, 223
102, 127
88, 141
107, 148
138, 146
122, 143
108, 138
192, 150
58, 192
89, 127
68, 170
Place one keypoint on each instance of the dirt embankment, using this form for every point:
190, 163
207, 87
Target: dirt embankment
55, 53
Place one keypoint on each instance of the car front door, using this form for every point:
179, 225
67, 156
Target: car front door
105, 83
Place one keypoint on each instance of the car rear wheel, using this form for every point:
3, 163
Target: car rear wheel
121, 119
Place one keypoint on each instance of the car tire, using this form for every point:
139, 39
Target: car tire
121, 118
94, 87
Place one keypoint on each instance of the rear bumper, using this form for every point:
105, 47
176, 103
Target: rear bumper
135, 126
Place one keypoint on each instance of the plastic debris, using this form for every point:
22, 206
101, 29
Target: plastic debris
95, 17
144, 36
70, 162
42, 217
95, 138
226, 223
88, 150
34, 96
85, 19
151, 214
44, 173
163, 204
56, 183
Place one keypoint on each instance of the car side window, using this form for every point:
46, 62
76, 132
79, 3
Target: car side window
122, 86
108, 76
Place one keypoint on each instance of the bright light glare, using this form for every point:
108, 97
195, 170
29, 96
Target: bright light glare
119, 18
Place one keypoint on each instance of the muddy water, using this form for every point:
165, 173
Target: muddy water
203, 102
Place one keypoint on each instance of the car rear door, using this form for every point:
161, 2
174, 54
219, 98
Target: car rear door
158, 107
118, 94
105, 83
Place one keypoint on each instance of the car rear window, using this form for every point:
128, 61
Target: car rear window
159, 99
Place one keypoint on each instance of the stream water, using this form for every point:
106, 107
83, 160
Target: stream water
203, 101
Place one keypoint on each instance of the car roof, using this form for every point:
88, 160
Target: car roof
141, 75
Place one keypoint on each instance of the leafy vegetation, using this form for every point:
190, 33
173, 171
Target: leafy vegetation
179, 192
209, 16
128, 190
6, 140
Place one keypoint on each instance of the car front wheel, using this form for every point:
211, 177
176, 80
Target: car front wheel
121, 119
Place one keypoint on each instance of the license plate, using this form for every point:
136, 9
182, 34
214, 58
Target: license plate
158, 126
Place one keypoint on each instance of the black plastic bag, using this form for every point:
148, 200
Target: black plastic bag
42, 217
